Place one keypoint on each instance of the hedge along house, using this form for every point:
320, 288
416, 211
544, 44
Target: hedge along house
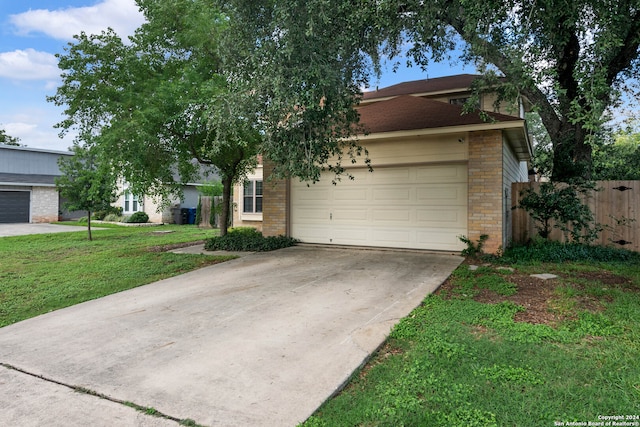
438, 174
28, 191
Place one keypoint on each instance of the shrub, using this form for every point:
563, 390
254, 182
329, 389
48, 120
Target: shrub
559, 206
111, 210
138, 217
549, 251
248, 239
114, 218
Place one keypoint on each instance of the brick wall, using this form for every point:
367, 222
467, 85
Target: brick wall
485, 188
44, 204
275, 203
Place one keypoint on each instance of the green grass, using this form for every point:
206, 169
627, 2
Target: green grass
42, 273
458, 362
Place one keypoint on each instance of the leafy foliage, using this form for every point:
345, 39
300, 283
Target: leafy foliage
248, 239
570, 61
8, 139
87, 183
559, 206
557, 252
473, 249
138, 218
155, 104
619, 160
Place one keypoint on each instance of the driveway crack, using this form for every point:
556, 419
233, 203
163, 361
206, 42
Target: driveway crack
83, 390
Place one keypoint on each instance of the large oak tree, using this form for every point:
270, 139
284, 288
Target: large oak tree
570, 60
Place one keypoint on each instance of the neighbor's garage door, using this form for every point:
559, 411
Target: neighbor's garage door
14, 206
419, 207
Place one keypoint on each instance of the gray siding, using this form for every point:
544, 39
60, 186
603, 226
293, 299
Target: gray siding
29, 161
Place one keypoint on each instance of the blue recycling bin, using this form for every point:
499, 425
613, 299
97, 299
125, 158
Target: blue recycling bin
192, 215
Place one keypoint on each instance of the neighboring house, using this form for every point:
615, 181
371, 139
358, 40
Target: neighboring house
438, 174
158, 212
27, 185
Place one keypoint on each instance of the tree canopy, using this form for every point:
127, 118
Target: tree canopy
8, 139
87, 183
569, 60
162, 103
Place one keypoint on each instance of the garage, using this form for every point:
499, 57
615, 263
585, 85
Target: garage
14, 206
413, 207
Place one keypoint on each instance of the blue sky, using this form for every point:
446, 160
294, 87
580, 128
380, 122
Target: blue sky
33, 31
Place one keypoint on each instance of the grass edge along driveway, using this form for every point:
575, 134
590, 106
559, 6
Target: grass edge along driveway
46, 272
495, 347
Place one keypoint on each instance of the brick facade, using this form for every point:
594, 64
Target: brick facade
44, 204
485, 188
275, 203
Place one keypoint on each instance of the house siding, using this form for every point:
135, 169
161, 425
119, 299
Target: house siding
485, 188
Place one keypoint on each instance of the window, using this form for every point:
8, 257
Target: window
131, 203
252, 197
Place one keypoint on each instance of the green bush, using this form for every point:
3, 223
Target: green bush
248, 239
138, 218
550, 251
114, 218
112, 210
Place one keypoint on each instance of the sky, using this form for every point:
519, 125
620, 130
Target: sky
33, 31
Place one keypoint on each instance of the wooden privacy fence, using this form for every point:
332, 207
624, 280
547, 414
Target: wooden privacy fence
615, 205
205, 213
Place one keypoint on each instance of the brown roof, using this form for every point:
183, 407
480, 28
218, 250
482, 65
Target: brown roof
438, 84
412, 113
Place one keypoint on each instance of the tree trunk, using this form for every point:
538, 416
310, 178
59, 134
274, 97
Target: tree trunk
571, 154
89, 225
227, 184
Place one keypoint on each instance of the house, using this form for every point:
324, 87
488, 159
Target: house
438, 174
27, 185
247, 199
158, 211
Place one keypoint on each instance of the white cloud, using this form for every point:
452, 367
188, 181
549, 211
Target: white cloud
121, 15
28, 64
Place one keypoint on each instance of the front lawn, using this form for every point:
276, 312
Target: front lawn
42, 273
497, 347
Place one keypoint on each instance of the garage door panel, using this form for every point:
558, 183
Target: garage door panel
447, 218
14, 206
391, 215
350, 215
392, 194
444, 173
422, 207
450, 194
350, 194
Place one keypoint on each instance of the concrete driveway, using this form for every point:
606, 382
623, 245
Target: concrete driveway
7, 230
258, 341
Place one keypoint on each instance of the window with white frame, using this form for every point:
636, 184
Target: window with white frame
131, 202
252, 197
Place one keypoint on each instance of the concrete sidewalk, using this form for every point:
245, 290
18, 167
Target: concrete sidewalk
7, 230
261, 340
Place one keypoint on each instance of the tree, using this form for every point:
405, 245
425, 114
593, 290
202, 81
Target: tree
570, 60
619, 159
163, 103
8, 139
87, 183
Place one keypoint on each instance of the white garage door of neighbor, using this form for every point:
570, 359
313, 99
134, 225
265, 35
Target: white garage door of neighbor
416, 207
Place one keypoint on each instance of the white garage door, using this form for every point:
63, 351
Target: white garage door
419, 207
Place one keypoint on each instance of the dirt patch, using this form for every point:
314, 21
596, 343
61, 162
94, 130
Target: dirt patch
539, 298
165, 248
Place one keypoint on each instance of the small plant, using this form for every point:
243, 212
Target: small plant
138, 218
560, 206
473, 249
113, 218
199, 212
